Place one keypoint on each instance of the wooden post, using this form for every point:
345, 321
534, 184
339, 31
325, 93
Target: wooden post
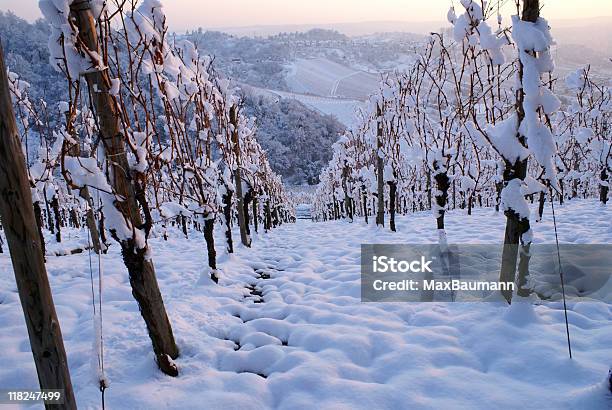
23, 240
365, 203
227, 215
209, 226
255, 214
244, 236
75, 151
515, 225
248, 198
604, 188
57, 217
443, 185
143, 280
380, 169
392, 204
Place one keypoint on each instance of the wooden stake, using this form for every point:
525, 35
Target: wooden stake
23, 239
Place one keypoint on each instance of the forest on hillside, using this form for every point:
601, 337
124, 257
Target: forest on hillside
282, 125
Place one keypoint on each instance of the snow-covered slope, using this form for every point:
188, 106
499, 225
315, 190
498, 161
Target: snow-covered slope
343, 109
323, 77
309, 342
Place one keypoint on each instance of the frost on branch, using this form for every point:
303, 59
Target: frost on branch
84, 172
513, 198
533, 41
472, 27
503, 137
65, 52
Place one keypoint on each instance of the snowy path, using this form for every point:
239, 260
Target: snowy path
285, 329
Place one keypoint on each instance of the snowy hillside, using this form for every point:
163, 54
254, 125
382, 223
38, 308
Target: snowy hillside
342, 109
323, 77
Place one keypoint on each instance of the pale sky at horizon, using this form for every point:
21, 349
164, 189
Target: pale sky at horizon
190, 14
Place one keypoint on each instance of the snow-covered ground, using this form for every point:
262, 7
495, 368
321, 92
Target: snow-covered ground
320, 76
328, 87
310, 342
343, 109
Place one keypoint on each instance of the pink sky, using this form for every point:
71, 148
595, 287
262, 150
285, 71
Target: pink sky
183, 14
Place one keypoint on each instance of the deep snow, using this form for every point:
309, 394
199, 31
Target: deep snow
311, 343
